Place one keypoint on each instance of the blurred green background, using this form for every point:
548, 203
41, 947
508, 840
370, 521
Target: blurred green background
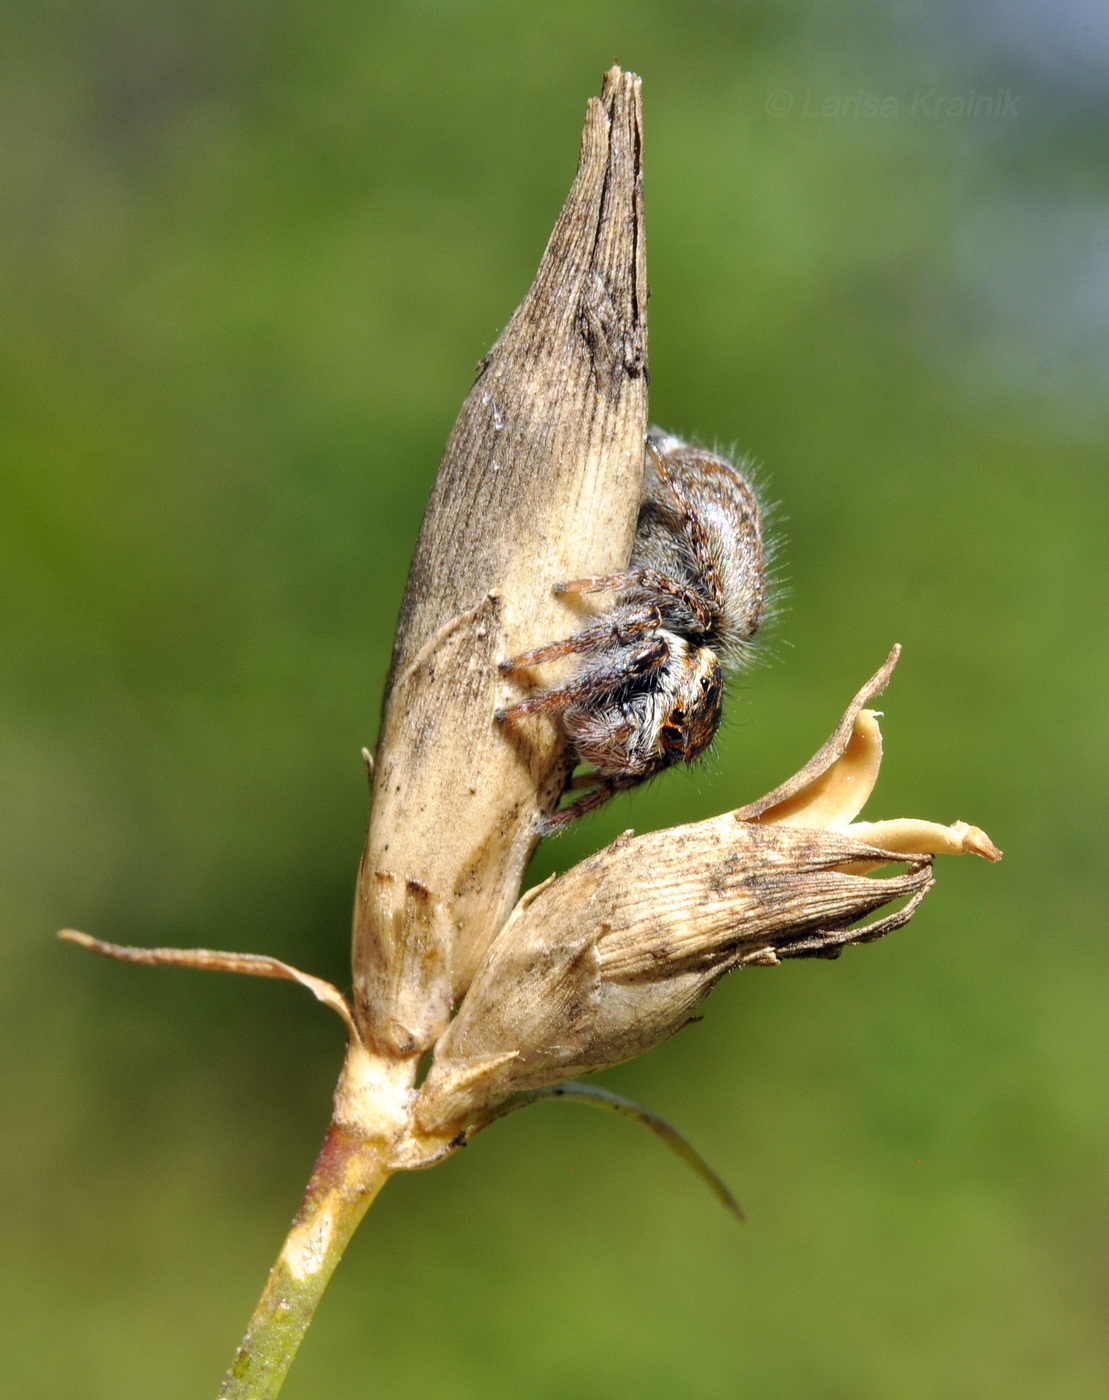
249, 256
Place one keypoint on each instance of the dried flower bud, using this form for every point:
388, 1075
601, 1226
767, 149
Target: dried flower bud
600, 964
541, 480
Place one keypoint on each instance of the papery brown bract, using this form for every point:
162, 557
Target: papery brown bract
617, 955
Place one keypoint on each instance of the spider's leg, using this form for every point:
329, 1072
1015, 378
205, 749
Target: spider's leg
585, 780
560, 819
706, 559
621, 627
599, 680
678, 502
603, 583
647, 580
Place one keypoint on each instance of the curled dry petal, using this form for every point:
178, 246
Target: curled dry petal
832, 788
913, 837
616, 955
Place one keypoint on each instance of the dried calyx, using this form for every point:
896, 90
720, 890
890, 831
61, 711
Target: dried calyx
596, 966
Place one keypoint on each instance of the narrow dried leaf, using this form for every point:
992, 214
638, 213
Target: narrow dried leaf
208, 960
596, 1097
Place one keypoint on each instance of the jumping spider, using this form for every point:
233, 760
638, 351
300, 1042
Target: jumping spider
650, 692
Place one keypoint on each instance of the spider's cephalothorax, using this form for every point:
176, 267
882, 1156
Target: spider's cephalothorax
650, 689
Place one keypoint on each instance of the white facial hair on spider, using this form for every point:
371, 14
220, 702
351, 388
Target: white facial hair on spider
649, 692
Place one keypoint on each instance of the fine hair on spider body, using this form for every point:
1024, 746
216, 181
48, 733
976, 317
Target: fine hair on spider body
649, 691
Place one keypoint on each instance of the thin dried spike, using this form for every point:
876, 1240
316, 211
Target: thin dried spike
829, 943
208, 960
591, 1094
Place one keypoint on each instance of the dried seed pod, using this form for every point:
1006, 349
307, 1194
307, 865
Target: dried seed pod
614, 956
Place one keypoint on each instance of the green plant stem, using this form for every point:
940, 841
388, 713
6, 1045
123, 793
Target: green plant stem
348, 1174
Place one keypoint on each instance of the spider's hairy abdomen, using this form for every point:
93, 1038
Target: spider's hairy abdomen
701, 520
